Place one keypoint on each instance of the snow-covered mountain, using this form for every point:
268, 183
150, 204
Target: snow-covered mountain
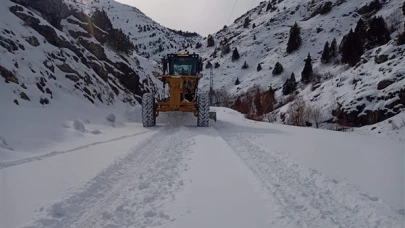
59, 64
152, 40
370, 92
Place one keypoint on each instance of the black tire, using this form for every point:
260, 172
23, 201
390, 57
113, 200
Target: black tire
203, 119
148, 112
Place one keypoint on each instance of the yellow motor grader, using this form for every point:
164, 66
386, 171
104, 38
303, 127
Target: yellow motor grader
181, 72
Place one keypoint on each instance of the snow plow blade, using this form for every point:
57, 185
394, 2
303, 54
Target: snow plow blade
213, 116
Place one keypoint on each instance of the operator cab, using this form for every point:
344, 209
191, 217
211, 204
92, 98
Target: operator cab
182, 64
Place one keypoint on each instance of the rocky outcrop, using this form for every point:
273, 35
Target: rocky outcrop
8, 75
52, 10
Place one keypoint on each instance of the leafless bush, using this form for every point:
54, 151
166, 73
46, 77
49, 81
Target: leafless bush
253, 116
394, 20
270, 117
317, 115
223, 98
397, 126
299, 113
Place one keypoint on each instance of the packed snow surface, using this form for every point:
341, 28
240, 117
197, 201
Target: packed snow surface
235, 173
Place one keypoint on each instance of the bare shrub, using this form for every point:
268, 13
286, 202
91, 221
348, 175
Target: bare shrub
253, 116
317, 115
394, 20
397, 126
270, 117
299, 113
222, 98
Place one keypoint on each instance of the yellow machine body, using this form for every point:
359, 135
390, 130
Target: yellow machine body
180, 87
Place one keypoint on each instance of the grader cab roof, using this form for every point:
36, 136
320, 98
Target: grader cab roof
183, 64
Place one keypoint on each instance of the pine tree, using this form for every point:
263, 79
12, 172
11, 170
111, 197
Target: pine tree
278, 69
209, 65
235, 54
361, 30
237, 82
210, 41
216, 65
290, 85
378, 33
254, 25
307, 72
294, 42
333, 48
351, 49
254, 37
245, 65
246, 22
259, 67
326, 54
269, 6
198, 45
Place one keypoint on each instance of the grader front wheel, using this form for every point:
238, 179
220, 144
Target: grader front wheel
148, 112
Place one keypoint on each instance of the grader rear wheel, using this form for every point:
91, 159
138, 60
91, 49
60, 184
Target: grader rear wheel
148, 112
203, 119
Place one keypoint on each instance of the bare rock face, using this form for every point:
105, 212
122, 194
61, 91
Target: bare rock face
8, 75
52, 10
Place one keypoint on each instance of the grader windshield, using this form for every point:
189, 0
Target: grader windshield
183, 65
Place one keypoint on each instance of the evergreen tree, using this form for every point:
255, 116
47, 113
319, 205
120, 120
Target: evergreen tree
245, 65
294, 41
198, 45
254, 25
254, 37
246, 22
235, 54
326, 54
333, 48
209, 65
259, 67
237, 82
290, 85
269, 6
361, 30
216, 65
210, 41
278, 69
351, 49
378, 33
307, 72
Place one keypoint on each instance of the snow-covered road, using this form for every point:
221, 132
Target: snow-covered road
179, 176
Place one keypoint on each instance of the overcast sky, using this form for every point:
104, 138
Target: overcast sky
201, 16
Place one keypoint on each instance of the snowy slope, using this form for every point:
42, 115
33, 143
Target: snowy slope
152, 39
368, 93
50, 78
234, 174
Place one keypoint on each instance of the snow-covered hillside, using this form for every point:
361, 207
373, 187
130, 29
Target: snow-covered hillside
55, 68
368, 93
152, 40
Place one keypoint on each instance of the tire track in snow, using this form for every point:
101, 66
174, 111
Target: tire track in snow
54, 153
130, 192
308, 197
